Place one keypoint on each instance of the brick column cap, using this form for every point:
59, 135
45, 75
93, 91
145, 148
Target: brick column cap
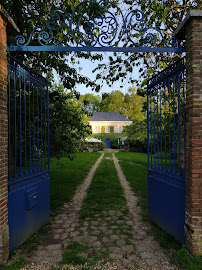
181, 29
11, 28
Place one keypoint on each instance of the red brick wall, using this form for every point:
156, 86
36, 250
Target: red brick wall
193, 215
4, 235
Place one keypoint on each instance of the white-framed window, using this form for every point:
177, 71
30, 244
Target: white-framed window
119, 129
107, 129
97, 129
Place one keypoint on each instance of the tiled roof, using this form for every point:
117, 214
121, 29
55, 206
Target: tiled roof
107, 116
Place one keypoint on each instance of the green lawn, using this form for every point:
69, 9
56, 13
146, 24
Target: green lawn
105, 192
140, 158
134, 166
67, 175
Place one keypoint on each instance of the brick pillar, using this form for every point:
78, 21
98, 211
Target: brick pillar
5, 23
191, 31
4, 235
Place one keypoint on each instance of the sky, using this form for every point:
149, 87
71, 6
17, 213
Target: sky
86, 69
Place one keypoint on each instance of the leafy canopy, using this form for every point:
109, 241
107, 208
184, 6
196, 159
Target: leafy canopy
67, 123
165, 15
129, 105
28, 14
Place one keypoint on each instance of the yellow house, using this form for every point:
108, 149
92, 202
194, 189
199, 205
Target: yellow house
107, 122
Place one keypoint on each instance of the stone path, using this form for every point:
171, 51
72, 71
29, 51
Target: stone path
63, 229
117, 236
153, 257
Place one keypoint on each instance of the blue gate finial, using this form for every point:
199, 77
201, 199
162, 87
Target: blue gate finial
97, 26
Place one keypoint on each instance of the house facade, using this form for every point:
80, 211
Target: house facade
108, 122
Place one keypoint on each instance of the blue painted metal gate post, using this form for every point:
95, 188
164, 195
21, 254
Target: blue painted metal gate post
166, 99
28, 151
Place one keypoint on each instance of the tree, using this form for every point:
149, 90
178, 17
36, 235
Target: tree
28, 14
90, 102
112, 102
68, 125
137, 135
129, 105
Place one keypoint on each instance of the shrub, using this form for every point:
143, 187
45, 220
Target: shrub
113, 137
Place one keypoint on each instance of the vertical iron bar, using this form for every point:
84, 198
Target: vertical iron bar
20, 86
37, 128
165, 131
41, 129
48, 129
169, 90
154, 130
161, 123
150, 98
148, 165
33, 132
179, 165
25, 116
45, 126
30, 165
9, 122
157, 124
174, 82
15, 112
184, 119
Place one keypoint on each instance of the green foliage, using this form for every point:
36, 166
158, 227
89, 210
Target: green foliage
28, 14
129, 105
71, 254
137, 136
19, 263
68, 125
113, 137
31, 244
102, 129
165, 15
187, 261
90, 102
111, 129
95, 146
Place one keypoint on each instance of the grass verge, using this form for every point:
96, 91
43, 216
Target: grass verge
131, 164
66, 176
77, 254
16, 265
137, 176
105, 192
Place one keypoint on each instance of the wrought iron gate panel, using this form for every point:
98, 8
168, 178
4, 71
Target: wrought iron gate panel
28, 148
166, 99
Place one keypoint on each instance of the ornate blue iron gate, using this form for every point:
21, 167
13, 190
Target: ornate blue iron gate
28, 186
110, 30
166, 148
